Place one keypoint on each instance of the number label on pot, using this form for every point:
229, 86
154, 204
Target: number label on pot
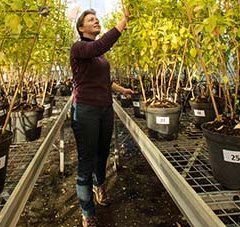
123, 97
136, 104
2, 112
2, 161
162, 120
199, 113
47, 106
231, 156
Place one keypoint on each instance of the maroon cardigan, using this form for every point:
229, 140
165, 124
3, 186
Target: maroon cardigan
91, 71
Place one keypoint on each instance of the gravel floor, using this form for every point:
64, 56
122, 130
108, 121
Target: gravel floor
138, 197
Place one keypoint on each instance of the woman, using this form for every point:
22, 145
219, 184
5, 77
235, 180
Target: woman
92, 112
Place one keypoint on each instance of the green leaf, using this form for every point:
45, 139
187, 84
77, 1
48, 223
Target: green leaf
13, 22
16, 5
2, 57
198, 8
164, 47
154, 44
210, 23
238, 32
174, 41
29, 22
193, 52
145, 67
225, 79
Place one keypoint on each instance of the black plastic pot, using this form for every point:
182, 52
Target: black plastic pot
4, 150
165, 121
125, 102
48, 106
39, 123
54, 90
224, 151
138, 106
26, 125
3, 115
202, 112
3, 111
65, 90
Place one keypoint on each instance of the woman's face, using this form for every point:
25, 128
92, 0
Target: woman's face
91, 25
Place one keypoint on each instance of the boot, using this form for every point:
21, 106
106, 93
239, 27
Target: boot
101, 195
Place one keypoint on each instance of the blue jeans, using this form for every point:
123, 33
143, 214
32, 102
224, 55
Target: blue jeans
92, 127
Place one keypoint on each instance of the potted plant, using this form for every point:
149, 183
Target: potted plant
219, 32
159, 50
25, 46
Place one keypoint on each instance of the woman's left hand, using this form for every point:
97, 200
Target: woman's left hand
128, 92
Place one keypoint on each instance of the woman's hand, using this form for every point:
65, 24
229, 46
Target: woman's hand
127, 92
125, 11
126, 14
122, 24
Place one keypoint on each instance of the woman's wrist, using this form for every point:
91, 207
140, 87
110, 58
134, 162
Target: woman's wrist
122, 24
122, 91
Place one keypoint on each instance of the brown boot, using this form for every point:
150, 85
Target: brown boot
101, 196
89, 221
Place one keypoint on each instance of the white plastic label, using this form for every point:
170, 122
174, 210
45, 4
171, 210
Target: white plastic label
136, 104
199, 113
47, 106
231, 156
2, 161
2, 112
39, 123
162, 120
141, 112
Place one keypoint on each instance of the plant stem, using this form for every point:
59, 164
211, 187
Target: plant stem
153, 87
157, 80
237, 78
161, 82
142, 88
180, 71
224, 71
171, 78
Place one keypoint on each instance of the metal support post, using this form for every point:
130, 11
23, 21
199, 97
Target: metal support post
61, 149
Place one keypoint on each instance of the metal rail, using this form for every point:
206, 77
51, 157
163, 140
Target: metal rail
15, 204
188, 201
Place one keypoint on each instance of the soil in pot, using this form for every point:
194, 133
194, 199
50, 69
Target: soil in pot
163, 118
223, 141
5, 141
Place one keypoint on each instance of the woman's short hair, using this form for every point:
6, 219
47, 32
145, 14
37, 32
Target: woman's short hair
81, 19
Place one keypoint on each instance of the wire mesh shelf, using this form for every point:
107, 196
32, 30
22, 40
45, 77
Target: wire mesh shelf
21, 154
188, 154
